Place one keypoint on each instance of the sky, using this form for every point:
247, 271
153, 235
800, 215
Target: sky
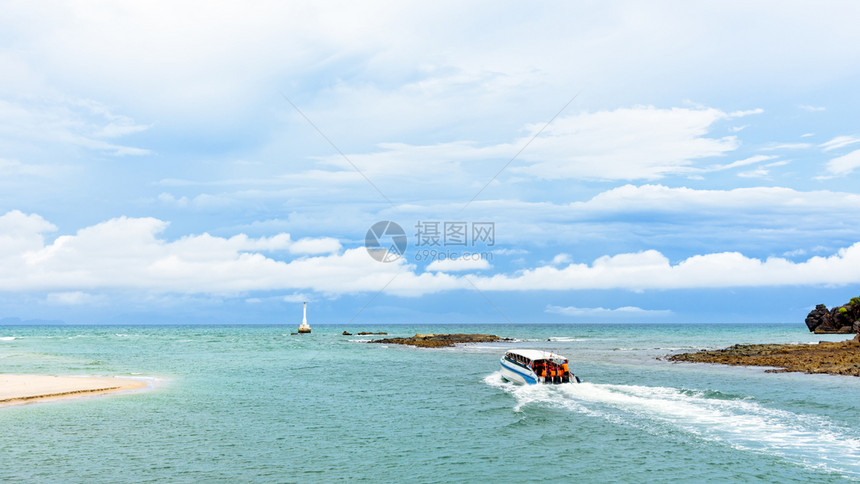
620, 162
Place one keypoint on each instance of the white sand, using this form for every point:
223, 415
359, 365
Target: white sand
18, 389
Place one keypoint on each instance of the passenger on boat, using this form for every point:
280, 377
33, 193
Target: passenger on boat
565, 372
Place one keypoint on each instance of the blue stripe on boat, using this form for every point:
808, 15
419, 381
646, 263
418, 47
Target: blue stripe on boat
528, 378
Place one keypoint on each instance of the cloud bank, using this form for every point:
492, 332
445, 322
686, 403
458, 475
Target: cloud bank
619, 312
131, 254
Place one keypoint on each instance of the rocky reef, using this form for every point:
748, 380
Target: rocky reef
834, 358
441, 340
843, 319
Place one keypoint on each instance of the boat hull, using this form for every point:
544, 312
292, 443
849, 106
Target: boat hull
517, 374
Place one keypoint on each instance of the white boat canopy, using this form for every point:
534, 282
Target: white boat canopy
533, 355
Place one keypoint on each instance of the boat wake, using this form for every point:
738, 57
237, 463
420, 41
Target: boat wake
810, 441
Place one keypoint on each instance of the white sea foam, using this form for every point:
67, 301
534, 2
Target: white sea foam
7, 338
810, 441
565, 338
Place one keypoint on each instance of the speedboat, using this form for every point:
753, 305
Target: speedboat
535, 366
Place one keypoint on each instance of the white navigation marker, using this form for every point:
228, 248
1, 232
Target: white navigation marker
304, 328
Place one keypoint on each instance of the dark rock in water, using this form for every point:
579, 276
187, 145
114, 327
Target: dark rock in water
346, 333
818, 317
843, 319
293, 334
365, 333
440, 340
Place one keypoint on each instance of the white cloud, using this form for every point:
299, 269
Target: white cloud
296, 298
839, 142
323, 245
643, 142
661, 198
772, 217
622, 311
786, 146
807, 107
74, 122
652, 270
746, 161
75, 298
757, 173
9, 168
844, 164
473, 262
398, 159
16, 223
153, 61
20, 233
129, 254
561, 259
747, 112
169, 199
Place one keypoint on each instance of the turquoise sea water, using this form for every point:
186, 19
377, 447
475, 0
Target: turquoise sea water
253, 403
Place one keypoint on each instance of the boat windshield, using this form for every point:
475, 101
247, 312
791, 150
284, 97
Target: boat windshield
522, 360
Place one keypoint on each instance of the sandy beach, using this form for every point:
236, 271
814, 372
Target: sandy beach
20, 389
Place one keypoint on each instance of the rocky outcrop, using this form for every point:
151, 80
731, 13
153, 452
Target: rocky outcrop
365, 333
841, 319
440, 340
835, 358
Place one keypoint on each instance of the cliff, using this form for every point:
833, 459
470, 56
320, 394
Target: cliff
841, 319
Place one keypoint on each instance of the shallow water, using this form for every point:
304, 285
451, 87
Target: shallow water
253, 403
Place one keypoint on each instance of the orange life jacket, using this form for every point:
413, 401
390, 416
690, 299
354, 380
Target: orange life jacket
564, 369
